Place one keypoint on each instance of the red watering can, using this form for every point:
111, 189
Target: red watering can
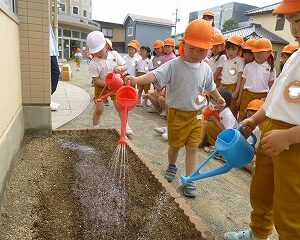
126, 99
114, 82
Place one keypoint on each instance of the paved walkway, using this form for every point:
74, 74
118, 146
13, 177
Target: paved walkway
73, 100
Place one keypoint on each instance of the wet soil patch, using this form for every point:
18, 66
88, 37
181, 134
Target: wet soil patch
68, 187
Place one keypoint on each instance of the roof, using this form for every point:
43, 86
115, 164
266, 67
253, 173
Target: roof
261, 10
255, 30
151, 20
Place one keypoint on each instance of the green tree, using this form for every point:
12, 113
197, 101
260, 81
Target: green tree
230, 24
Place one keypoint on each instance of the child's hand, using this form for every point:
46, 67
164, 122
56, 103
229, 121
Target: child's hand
248, 126
133, 80
220, 103
234, 95
274, 142
238, 102
117, 69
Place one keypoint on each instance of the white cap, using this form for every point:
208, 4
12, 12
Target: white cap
95, 41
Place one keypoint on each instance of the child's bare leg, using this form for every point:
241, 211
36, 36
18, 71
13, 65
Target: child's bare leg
99, 108
172, 155
118, 110
140, 92
191, 157
153, 99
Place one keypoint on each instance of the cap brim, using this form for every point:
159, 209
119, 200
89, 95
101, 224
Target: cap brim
287, 7
260, 50
199, 44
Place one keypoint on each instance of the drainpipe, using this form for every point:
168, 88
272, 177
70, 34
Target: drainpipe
55, 20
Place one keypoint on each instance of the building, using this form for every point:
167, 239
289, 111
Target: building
225, 12
116, 33
74, 24
146, 29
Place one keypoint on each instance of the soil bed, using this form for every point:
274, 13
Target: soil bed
77, 191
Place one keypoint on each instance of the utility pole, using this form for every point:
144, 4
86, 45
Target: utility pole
177, 19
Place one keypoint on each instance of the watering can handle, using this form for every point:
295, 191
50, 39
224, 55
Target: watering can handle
240, 128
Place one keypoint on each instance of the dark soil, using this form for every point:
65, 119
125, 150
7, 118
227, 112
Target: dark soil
68, 187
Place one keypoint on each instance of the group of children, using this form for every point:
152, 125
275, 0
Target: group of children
206, 95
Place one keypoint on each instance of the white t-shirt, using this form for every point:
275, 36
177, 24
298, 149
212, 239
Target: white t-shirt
101, 67
231, 68
277, 107
227, 118
144, 65
157, 61
257, 133
214, 63
78, 55
258, 77
131, 64
184, 81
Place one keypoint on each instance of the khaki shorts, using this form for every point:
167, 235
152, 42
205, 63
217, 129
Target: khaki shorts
143, 87
234, 109
98, 90
247, 97
184, 128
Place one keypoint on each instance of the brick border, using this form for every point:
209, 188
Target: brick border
191, 216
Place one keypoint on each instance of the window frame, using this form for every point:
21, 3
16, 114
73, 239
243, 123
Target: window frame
73, 10
130, 29
106, 30
60, 9
280, 22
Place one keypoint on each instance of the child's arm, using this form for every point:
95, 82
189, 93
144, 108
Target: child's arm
144, 79
217, 73
250, 124
238, 101
217, 96
238, 86
276, 141
98, 81
120, 69
217, 122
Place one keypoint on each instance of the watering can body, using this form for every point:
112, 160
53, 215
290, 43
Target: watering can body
235, 149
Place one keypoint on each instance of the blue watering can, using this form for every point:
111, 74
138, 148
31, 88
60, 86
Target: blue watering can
235, 149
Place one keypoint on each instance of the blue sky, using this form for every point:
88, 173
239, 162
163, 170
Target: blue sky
159, 8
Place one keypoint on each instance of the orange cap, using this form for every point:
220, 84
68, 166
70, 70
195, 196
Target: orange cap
169, 42
136, 42
237, 40
262, 45
249, 44
158, 44
199, 33
209, 13
288, 6
255, 104
218, 39
290, 48
132, 44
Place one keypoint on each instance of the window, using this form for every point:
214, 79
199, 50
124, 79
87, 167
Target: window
83, 35
62, 7
84, 13
280, 22
130, 31
108, 32
75, 34
67, 33
59, 32
75, 10
10, 5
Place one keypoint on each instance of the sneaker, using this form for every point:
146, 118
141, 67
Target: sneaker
145, 104
165, 136
106, 103
161, 130
139, 103
170, 173
153, 110
163, 114
242, 235
128, 130
190, 190
54, 106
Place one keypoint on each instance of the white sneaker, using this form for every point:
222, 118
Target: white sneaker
165, 136
153, 110
161, 130
128, 130
54, 106
242, 235
163, 114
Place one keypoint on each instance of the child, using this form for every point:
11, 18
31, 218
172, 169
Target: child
286, 52
186, 78
104, 61
131, 59
258, 76
213, 124
169, 47
218, 57
232, 69
137, 54
143, 66
275, 186
158, 46
210, 16
247, 53
78, 58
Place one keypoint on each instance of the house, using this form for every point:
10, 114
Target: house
225, 12
276, 24
116, 33
146, 29
255, 30
74, 24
